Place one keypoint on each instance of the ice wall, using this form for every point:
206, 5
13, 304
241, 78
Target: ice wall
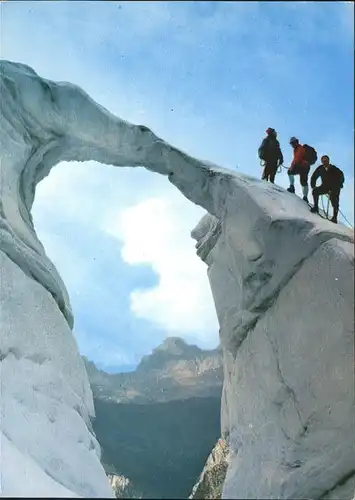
287, 331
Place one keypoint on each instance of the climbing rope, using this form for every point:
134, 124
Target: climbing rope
346, 220
281, 167
327, 211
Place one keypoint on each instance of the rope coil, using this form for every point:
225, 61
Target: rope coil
279, 168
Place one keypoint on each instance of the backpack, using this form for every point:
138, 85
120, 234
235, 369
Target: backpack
310, 154
269, 149
261, 150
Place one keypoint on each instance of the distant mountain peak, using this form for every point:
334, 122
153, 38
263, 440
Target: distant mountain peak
175, 345
171, 349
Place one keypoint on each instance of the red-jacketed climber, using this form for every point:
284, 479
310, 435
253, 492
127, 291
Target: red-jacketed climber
299, 166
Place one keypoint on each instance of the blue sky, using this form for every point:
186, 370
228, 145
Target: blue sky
209, 77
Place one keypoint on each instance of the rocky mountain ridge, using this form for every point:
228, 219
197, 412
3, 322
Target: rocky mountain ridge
157, 425
174, 370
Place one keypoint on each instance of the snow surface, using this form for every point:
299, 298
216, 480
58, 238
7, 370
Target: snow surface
26, 479
270, 261
47, 448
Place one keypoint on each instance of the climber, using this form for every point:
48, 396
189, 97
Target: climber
332, 182
303, 157
270, 153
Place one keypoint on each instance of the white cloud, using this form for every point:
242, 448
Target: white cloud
152, 220
157, 231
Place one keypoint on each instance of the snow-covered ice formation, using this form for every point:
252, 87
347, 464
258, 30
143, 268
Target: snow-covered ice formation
282, 284
284, 294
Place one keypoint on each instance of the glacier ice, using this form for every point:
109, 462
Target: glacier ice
281, 282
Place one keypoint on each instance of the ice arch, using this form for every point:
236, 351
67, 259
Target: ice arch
261, 246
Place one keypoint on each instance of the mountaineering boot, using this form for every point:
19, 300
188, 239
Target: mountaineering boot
291, 189
335, 215
314, 210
